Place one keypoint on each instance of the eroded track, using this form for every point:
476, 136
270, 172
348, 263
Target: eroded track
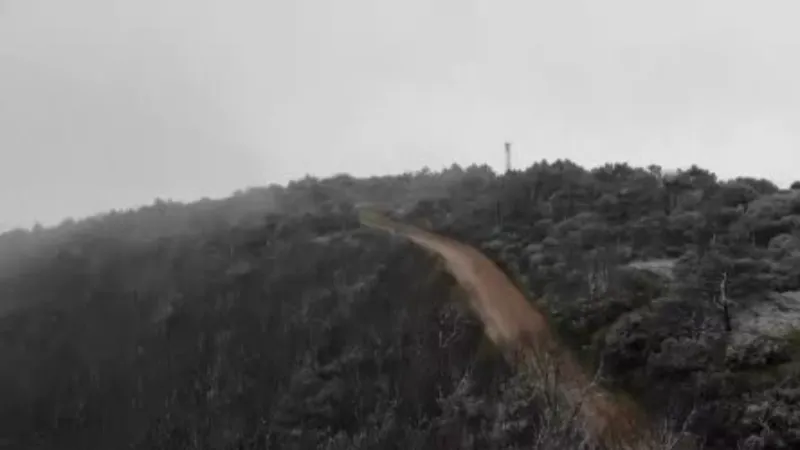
524, 334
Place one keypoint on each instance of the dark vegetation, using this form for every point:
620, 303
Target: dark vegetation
271, 319
683, 286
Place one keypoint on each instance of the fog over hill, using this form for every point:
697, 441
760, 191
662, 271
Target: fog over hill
113, 103
184, 188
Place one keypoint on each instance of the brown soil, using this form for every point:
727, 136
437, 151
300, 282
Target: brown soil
514, 325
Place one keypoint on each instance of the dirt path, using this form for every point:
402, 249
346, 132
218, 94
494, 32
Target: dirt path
513, 324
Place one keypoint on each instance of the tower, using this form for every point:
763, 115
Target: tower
508, 157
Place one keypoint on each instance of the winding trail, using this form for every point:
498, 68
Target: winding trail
522, 332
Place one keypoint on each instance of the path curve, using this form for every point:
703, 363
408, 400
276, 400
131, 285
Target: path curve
524, 334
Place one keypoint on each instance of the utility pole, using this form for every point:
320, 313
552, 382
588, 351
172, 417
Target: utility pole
508, 157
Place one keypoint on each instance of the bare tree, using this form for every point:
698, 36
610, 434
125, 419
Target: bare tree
723, 302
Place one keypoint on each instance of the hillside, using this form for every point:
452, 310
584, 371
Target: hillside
683, 288
272, 319
248, 338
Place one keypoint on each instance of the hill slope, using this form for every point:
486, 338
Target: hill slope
247, 339
299, 332
272, 320
682, 287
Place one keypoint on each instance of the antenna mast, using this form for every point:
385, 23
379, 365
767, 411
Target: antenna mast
508, 157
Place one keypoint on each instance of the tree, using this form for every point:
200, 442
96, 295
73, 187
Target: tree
760, 185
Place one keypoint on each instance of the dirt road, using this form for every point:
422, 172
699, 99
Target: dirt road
523, 333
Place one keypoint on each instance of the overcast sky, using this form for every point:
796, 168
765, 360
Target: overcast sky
111, 103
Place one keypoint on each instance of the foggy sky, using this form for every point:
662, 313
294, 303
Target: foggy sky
111, 103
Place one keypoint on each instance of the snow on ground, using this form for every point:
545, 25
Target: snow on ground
774, 317
663, 267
